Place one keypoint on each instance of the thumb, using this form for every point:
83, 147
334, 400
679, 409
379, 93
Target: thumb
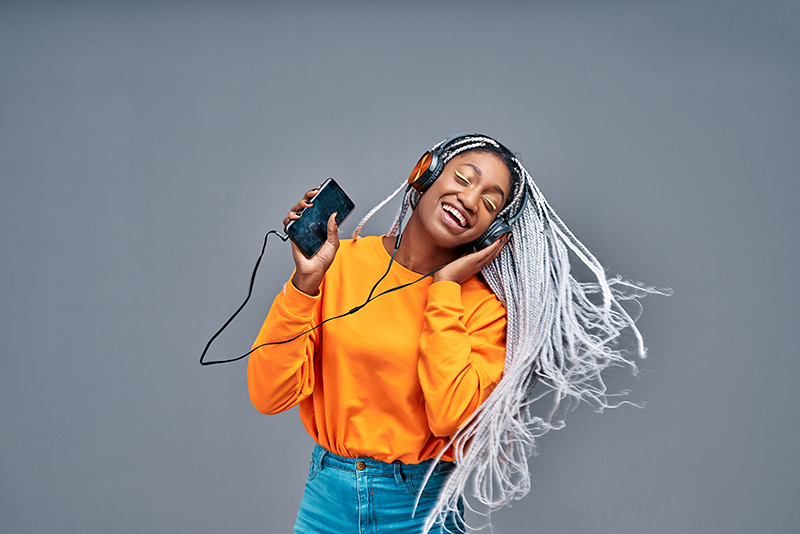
333, 230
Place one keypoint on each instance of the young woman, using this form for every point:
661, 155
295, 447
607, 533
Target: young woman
431, 383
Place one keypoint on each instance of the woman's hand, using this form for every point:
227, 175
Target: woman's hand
309, 272
471, 264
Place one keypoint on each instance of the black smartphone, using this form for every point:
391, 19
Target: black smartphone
310, 231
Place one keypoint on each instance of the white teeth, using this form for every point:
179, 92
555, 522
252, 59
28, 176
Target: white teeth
449, 209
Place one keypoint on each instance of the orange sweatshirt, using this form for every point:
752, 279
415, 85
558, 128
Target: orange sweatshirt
392, 381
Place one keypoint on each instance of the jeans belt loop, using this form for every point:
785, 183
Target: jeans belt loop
398, 474
321, 458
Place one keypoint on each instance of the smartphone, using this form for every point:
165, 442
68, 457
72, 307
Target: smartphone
310, 231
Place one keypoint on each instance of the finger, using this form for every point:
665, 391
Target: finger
488, 252
331, 244
498, 245
333, 230
491, 252
300, 206
292, 216
297, 210
303, 203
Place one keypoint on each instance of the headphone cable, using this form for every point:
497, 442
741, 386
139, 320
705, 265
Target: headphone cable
369, 299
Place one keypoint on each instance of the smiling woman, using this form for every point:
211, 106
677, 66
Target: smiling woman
432, 385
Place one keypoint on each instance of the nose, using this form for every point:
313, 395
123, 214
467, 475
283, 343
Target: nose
469, 198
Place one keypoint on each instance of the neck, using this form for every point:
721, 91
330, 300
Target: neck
416, 252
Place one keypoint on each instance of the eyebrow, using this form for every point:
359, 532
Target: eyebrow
476, 168
500, 190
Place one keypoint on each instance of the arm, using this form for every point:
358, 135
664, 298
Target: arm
461, 355
280, 376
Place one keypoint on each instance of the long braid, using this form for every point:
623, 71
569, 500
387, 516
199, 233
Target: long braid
561, 334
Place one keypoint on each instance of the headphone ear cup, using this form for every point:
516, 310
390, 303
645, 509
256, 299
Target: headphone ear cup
426, 171
498, 228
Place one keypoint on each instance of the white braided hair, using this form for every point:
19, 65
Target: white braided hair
561, 334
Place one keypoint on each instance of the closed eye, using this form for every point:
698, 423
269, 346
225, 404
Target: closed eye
463, 178
492, 205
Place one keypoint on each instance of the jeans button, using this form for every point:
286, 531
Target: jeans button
361, 465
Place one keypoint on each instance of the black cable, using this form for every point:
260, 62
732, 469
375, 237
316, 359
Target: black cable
370, 298
283, 237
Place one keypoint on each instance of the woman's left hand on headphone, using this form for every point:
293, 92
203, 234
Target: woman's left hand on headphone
471, 264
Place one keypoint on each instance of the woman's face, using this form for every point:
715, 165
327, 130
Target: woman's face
461, 204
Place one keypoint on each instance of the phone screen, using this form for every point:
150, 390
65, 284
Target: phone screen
310, 231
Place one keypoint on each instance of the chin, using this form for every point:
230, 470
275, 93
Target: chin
459, 243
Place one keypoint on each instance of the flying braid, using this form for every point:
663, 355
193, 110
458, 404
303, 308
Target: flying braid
561, 334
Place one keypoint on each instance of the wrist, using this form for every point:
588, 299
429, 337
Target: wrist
308, 284
438, 277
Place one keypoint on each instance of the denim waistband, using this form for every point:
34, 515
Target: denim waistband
366, 465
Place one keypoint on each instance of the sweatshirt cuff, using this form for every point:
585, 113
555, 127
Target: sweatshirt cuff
444, 291
297, 304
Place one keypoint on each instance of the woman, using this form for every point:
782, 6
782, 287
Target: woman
432, 383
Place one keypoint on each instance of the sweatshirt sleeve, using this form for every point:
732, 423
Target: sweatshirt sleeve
280, 376
461, 355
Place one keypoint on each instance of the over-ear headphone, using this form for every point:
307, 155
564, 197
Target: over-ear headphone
429, 168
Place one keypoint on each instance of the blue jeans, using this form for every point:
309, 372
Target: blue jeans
365, 496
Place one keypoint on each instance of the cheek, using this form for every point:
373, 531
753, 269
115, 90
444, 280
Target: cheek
485, 221
425, 206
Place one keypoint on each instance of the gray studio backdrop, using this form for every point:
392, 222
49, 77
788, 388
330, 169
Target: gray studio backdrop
146, 148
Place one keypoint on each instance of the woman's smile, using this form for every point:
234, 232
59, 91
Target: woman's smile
454, 217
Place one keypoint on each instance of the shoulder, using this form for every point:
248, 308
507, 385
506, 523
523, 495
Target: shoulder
362, 247
356, 254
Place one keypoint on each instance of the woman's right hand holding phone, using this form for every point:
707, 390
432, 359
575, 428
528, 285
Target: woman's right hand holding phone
309, 272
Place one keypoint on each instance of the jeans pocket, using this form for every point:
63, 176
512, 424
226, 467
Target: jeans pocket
417, 485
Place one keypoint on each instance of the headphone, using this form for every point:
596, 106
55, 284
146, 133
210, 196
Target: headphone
429, 168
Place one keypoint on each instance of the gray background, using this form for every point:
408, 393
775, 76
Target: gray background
146, 147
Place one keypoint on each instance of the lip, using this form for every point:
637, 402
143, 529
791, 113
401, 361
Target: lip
449, 218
